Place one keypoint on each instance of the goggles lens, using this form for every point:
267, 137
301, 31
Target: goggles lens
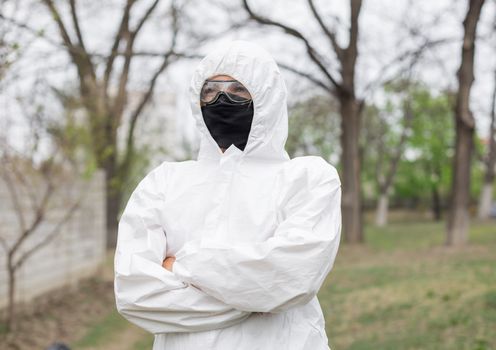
233, 89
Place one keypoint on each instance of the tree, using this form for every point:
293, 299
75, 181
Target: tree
458, 218
384, 144
425, 173
106, 103
42, 186
343, 89
39, 180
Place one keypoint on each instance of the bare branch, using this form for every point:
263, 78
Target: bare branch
407, 120
62, 28
22, 180
55, 231
15, 199
314, 56
108, 57
413, 55
79, 56
47, 38
308, 76
38, 219
128, 56
331, 35
123, 27
75, 22
144, 18
151, 87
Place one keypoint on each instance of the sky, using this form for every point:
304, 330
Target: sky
386, 27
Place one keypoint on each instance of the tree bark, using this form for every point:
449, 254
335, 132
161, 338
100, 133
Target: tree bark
436, 203
350, 161
112, 199
350, 133
458, 220
9, 322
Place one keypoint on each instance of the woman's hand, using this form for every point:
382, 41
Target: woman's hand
168, 261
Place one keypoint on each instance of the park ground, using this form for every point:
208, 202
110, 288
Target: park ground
401, 290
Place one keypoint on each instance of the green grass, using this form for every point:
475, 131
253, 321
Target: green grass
103, 332
404, 290
144, 344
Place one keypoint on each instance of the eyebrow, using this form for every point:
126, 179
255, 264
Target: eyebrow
220, 81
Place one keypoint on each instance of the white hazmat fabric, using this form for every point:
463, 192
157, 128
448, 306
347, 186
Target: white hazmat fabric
254, 232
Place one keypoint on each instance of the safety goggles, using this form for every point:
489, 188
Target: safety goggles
233, 89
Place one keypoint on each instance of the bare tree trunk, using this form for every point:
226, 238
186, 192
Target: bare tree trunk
486, 200
112, 201
381, 218
384, 175
458, 220
436, 203
9, 322
350, 160
351, 126
487, 189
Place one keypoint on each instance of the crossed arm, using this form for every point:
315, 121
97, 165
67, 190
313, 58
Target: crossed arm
147, 294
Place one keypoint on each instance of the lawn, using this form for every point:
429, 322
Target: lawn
402, 290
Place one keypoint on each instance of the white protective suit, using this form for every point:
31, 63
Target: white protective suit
254, 232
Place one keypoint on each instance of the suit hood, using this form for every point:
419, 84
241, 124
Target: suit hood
255, 68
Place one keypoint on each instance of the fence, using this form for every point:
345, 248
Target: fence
78, 250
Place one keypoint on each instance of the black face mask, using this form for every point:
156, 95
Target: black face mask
229, 123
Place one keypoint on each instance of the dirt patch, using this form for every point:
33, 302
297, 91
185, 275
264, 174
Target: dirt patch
127, 339
60, 316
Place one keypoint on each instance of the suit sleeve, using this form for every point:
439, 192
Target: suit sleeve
286, 270
147, 294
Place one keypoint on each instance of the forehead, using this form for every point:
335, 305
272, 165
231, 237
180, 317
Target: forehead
221, 77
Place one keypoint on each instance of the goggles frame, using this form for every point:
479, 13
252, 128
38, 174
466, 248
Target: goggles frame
236, 92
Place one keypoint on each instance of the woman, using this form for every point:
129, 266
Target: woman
228, 251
